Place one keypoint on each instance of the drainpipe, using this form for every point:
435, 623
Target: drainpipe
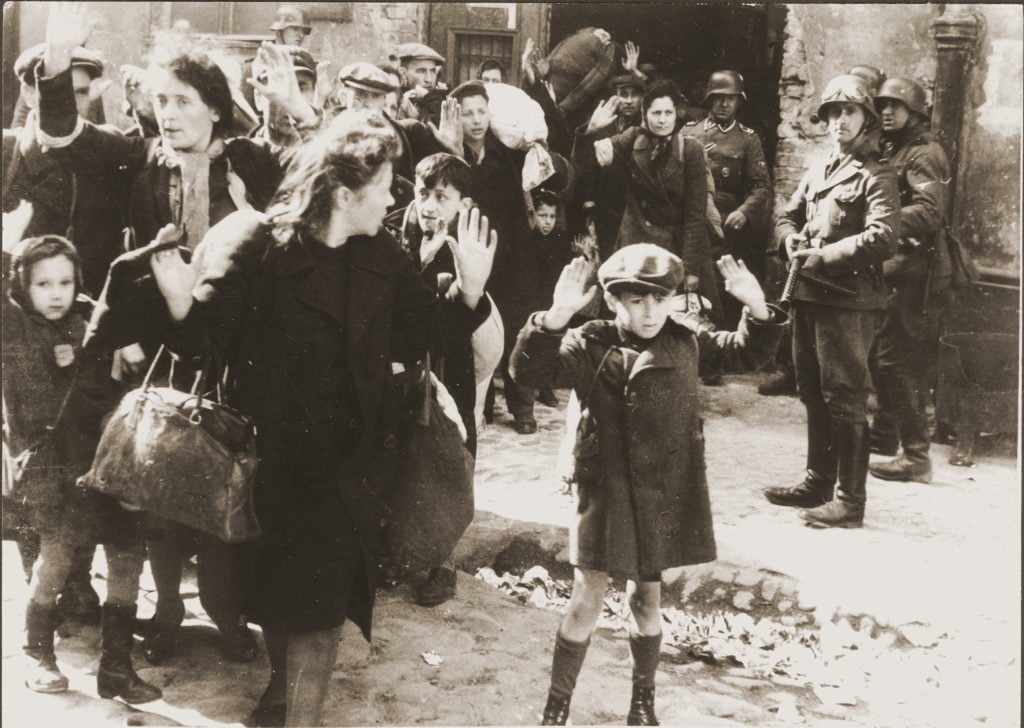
956, 33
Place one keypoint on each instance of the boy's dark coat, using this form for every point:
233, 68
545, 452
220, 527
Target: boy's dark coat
643, 501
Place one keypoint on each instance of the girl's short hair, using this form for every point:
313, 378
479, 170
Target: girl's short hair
350, 152
198, 69
31, 251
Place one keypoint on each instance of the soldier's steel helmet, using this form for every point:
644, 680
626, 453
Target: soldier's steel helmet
846, 89
904, 90
289, 16
726, 83
874, 76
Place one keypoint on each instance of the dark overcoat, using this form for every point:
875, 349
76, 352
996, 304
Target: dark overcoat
666, 201
311, 365
642, 494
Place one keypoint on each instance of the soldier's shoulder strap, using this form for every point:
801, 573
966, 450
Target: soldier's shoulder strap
746, 129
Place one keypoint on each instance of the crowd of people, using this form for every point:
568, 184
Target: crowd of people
321, 233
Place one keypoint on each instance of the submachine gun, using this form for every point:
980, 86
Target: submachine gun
797, 274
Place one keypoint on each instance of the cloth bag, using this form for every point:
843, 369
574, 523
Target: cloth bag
518, 122
431, 503
181, 456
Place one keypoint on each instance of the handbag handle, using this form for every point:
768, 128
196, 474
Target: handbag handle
197, 388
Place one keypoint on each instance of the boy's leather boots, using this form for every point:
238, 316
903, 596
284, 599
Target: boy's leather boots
565, 668
42, 674
116, 676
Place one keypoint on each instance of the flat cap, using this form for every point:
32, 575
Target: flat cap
472, 87
642, 266
29, 60
366, 76
419, 51
626, 79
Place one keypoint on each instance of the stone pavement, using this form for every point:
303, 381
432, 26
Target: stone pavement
917, 615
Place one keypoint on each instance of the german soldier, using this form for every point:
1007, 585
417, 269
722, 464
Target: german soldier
918, 281
840, 225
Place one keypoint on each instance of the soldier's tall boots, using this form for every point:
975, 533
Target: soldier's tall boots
565, 668
819, 482
116, 676
42, 674
646, 651
912, 410
847, 510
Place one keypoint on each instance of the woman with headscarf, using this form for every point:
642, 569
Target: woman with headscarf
666, 189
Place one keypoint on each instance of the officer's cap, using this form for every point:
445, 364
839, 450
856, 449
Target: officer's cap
644, 267
418, 52
289, 16
28, 61
366, 76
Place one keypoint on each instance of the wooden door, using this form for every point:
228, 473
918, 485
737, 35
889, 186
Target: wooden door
466, 34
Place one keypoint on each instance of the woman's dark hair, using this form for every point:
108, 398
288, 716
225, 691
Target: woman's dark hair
31, 251
197, 68
444, 169
660, 89
348, 153
490, 65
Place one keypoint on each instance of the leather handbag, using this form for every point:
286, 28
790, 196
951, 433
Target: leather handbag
182, 456
431, 503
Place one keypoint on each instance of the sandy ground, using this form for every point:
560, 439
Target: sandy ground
944, 557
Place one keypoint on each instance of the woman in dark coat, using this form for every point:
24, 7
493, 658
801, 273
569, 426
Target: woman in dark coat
666, 201
310, 305
192, 175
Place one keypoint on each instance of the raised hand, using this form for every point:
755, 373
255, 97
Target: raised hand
67, 28
572, 293
15, 223
324, 82
526, 63
474, 254
449, 133
174, 277
632, 60
281, 87
743, 286
604, 115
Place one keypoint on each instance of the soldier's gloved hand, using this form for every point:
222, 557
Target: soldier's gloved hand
812, 259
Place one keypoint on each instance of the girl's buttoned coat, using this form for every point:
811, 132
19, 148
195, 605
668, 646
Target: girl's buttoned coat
642, 494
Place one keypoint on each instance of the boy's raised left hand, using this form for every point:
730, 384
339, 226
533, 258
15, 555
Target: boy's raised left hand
743, 286
474, 254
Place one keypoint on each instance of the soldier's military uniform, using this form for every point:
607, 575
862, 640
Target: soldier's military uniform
848, 205
736, 159
917, 278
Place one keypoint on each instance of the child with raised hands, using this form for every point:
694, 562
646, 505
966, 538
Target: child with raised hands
641, 492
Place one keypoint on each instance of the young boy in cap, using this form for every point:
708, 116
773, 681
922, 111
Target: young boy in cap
642, 498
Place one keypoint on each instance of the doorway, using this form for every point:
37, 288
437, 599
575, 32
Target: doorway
687, 42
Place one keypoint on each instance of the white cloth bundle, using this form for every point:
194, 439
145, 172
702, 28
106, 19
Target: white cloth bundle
518, 122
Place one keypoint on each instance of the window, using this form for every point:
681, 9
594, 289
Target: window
220, 18
472, 49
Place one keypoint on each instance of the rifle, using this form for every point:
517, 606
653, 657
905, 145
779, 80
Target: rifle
796, 275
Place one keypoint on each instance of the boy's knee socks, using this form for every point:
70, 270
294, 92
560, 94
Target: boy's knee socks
646, 651
566, 664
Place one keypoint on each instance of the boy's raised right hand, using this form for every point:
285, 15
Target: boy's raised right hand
572, 293
743, 286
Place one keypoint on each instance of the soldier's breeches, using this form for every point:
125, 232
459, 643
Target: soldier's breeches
831, 349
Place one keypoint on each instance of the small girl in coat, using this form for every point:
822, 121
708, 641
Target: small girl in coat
50, 435
642, 497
